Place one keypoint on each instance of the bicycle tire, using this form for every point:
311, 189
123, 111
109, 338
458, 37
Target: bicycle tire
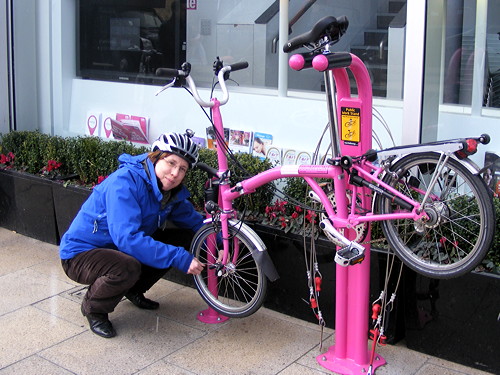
242, 285
461, 227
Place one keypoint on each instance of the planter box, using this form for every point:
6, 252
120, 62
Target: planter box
67, 203
8, 212
30, 210
37, 207
462, 322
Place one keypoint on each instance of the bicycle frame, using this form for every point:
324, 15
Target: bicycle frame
358, 178
344, 215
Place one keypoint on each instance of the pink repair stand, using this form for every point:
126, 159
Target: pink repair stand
350, 354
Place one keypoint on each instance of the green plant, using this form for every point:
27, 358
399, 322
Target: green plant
83, 158
256, 202
195, 179
91, 157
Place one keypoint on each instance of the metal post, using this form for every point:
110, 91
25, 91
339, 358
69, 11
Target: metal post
350, 353
282, 56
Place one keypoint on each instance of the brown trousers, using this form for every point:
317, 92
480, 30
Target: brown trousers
110, 274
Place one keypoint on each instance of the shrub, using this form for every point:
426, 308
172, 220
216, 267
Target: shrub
83, 158
256, 202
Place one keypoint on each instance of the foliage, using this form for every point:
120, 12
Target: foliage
91, 157
290, 218
291, 214
256, 202
83, 159
492, 260
195, 179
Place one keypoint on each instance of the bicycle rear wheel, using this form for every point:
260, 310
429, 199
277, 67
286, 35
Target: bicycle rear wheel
461, 221
236, 289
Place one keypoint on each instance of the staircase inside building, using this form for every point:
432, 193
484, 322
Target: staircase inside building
374, 50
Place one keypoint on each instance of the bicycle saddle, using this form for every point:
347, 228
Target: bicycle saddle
329, 26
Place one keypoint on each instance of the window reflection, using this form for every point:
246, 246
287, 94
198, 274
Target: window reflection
492, 63
459, 52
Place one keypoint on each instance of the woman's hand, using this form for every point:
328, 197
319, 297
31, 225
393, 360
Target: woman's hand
195, 267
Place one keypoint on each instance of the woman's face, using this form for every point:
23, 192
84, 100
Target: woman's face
171, 171
258, 147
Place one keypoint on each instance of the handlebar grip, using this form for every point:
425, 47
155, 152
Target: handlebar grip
333, 60
301, 61
170, 73
212, 172
239, 66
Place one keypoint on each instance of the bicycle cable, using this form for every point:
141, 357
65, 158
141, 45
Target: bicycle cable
381, 307
314, 277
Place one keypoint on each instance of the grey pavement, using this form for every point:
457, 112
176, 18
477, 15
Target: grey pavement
43, 332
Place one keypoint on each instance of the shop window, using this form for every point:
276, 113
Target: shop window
127, 40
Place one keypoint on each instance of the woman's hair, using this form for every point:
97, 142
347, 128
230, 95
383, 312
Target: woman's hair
154, 156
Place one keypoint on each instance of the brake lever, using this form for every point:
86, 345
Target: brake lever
167, 86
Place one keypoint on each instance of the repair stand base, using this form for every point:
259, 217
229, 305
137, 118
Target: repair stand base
347, 366
210, 316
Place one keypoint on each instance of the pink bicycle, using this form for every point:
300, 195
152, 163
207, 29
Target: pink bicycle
435, 210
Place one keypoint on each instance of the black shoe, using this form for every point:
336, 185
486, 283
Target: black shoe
142, 302
100, 324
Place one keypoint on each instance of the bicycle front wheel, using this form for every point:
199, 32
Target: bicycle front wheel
236, 289
460, 223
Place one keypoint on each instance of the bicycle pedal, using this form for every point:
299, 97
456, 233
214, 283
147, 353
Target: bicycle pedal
350, 255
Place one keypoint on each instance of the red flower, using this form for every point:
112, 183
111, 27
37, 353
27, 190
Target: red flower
310, 216
52, 165
295, 215
101, 179
283, 221
7, 160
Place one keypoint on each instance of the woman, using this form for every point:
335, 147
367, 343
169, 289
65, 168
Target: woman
109, 245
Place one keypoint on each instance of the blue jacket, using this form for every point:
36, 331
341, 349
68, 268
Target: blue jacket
124, 211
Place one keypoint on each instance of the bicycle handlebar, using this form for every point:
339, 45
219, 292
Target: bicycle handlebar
184, 73
212, 172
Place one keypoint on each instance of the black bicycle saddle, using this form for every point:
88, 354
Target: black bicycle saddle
329, 26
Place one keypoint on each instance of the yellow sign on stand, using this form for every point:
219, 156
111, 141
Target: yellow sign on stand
350, 128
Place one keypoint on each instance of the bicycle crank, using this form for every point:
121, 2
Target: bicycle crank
360, 230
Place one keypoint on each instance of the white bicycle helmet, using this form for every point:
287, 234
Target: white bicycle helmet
178, 144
